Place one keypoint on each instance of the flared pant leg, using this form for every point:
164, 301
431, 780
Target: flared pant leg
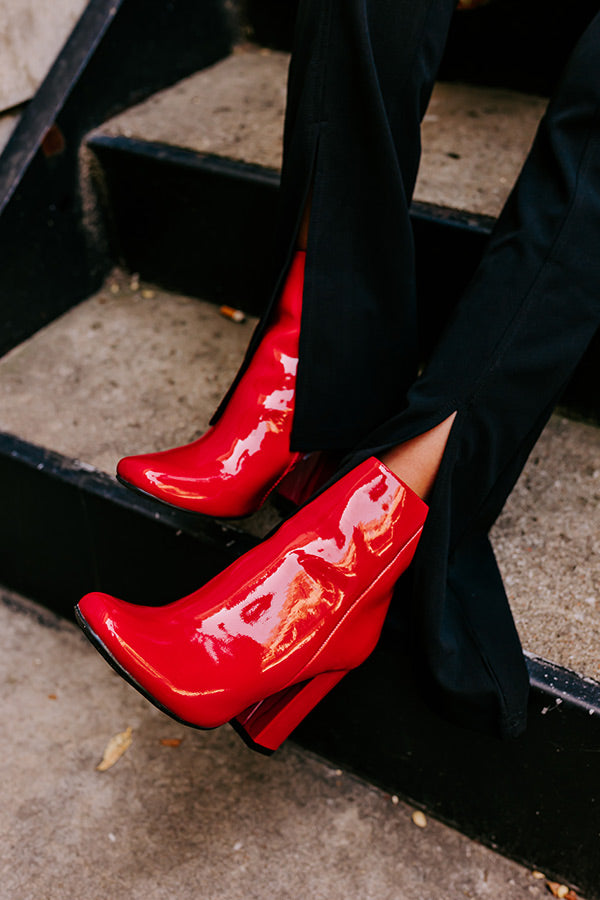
360, 79
361, 75
515, 338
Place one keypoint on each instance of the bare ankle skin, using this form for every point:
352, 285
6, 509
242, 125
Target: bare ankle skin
417, 461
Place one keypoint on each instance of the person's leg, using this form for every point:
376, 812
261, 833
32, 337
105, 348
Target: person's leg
515, 338
417, 461
337, 349
361, 75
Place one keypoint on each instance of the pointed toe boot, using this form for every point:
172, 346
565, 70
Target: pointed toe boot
268, 637
231, 469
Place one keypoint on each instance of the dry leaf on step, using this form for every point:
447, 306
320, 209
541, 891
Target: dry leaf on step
115, 749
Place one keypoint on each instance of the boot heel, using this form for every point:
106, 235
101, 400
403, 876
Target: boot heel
268, 723
306, 477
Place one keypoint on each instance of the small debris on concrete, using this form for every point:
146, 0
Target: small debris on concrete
147, 294
52, 697
559, 890
171, 742
115, 749
134, 282
395, 800
419, 819
235, 315
538, 875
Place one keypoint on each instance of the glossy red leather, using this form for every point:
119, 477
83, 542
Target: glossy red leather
306, 605
230, 470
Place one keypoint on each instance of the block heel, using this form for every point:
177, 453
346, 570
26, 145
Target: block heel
265, 725
306, 477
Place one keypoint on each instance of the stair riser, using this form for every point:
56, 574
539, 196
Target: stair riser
67, 530
203, 226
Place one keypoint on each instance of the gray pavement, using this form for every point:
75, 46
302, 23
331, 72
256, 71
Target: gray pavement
206, 819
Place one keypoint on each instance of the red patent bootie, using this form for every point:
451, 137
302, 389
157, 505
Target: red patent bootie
267, 638
231, 469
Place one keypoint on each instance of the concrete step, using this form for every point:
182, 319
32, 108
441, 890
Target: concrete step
185, 172
474, 139
203, 815
141, 369
138, 368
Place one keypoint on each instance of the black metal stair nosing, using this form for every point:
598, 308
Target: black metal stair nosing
562, 685
170, 155
86, 478
210, 163
207, 206
547, 678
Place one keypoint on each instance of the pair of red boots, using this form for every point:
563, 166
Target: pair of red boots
265, 640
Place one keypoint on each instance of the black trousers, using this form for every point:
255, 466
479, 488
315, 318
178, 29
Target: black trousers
360, 79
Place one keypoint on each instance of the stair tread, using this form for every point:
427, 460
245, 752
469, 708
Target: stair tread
135, 370
474, 139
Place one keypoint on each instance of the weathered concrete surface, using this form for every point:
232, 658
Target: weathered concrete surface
474, 143
121, 373
31, 35
474, 139
133, 370
548, 545
233, 109
207, 819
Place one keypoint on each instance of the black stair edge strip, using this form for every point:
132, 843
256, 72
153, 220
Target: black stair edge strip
184, 157
84, 477
208, 200
213, 164
556, 682
563, 685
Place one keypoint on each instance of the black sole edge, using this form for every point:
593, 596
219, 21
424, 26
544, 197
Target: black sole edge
180, 509
243, 734
116, 666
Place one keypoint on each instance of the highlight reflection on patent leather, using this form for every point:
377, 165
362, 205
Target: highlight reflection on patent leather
231, 469
265, 639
